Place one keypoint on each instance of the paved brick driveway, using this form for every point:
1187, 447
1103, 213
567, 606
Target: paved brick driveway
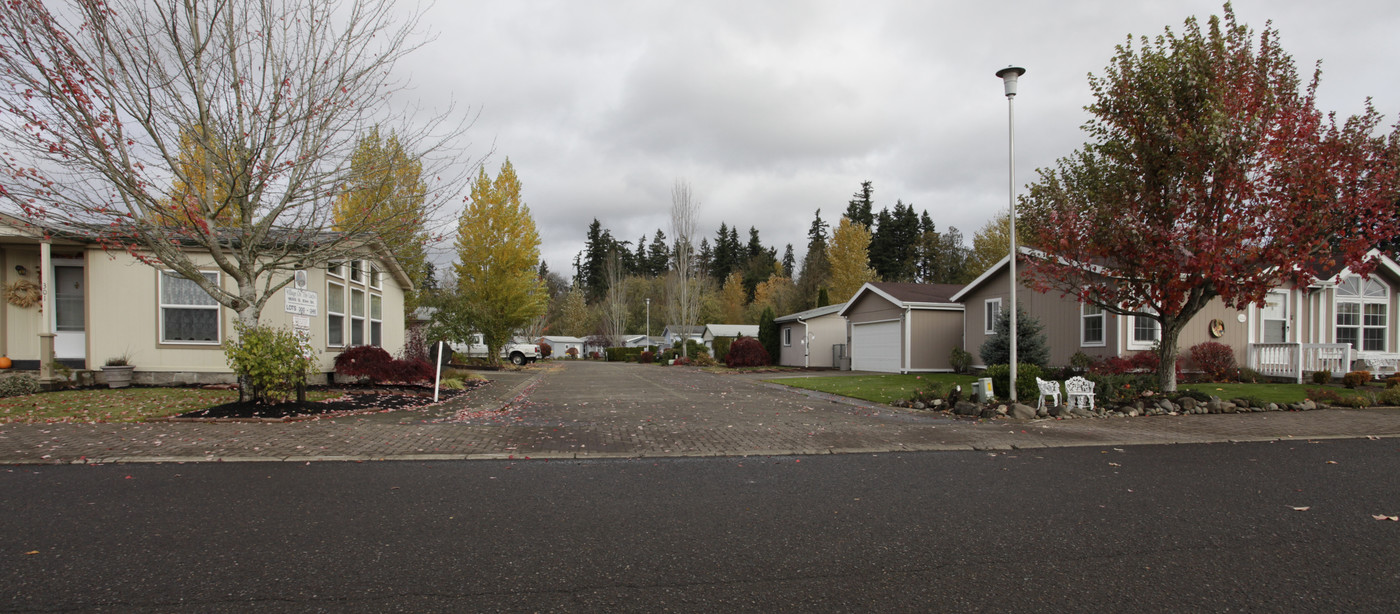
592, 409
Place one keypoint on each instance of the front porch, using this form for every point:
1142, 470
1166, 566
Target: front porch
1294, 360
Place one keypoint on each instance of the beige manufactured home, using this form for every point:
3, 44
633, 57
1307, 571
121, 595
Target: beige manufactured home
96, 305
814, 339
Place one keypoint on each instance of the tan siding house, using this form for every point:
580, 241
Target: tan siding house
1339, 322
903, 327
109, 304
808, 338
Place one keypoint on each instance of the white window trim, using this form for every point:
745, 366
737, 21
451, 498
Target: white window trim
336, 269
357, 271
989, 325
1103, 316
1133, 343
161, 306
330, 315
363, 318
369, 307
787, 336
1361, 315
376, 277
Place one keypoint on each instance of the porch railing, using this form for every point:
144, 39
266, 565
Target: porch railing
1292, 360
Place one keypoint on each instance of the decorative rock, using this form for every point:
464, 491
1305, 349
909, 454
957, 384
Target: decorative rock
989, 413
1042, 413
1165, 406
1307, 405
1002, 410
1081, 412
1213, 405
963, 408
1056, 411
1022, 412
1271, 407
919, 405
1228, 408
936, 403
1187, 403
1131, 412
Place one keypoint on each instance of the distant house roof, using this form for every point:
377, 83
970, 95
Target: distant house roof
909, 295
561, 339
677, 329
810, 313
731, 330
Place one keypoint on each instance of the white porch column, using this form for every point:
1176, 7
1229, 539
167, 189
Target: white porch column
46, 334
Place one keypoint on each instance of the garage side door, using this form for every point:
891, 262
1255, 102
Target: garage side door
876, 347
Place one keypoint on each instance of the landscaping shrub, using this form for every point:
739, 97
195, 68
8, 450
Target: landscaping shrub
415, 344
1390, 397
1025, 381
594, 355
768, 332
1392, 381
930, 392
681, 361
1118, 389
410, 371
546, 350
16, 385
747, 352
646, 358
1356, 379
1031, 346
722, 346
1215, 359
623, 354
1247, 375
961, 360
1081, 361
1323, 377
271, 363
1324, 395
703, 360
377, 365
571, 352
1194, 394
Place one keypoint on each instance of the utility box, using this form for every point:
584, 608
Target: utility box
984, 390
839, 359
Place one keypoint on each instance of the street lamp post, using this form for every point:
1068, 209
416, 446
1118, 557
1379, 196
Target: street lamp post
648, 341
1008, 77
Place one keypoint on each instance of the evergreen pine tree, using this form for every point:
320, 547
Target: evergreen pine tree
861, 207
789, 262
1031, 346
768, 333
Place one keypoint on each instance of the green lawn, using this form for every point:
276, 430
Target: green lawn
1269, 393
876, 388
116, 405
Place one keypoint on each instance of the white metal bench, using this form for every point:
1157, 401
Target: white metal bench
1048, 389
1079, 392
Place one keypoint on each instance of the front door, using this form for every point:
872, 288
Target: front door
1275, 317
70, 331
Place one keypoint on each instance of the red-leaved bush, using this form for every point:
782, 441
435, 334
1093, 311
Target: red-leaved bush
1141, 362
646, 358
1216, 360
747, 352
546, 349
377, 365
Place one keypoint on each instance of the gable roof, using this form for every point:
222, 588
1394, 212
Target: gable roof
677, 329
810, 313
909, 295
731, 330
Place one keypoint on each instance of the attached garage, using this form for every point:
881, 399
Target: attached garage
876, 346
903, 328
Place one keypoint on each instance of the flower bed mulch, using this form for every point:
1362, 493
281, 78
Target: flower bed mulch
354, 400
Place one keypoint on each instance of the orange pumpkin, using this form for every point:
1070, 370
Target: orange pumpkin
5, 362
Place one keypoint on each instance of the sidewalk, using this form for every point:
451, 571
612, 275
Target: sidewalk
600, 411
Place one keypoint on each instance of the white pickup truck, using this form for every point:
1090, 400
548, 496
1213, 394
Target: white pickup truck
516, 353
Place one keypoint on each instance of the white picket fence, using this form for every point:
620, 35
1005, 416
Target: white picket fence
1292, 360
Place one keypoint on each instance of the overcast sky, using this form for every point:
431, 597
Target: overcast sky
773, 109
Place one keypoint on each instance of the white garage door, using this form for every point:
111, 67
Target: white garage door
875, 347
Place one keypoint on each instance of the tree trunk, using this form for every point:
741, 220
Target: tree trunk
1167, 352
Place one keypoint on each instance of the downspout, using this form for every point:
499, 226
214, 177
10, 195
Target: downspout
908, 340
806, 345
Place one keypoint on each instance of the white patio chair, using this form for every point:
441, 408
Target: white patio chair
1079, 392
1047, 389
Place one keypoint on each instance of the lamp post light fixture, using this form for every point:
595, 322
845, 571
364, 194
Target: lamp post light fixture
647, 343
1008, 77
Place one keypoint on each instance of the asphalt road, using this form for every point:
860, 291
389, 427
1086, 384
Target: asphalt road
1151, 528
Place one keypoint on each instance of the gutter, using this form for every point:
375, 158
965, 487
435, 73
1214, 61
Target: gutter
806, 345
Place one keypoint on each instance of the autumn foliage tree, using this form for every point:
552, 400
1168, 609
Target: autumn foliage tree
385, 188
191, 132
498, 287
1210, 174
848, 255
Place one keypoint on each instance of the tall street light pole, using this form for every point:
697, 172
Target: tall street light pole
648, 341
1008, 77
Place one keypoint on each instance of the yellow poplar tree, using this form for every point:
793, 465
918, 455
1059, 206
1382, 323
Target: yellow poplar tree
387, 191
732, 297
498, 250
848, 253
200, 187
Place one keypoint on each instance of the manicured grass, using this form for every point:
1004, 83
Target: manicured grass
1269, 393
116, 405
876, 388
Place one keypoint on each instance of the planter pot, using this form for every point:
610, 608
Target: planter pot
118, 377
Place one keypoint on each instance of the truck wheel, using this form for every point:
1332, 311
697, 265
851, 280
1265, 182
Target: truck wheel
517, 359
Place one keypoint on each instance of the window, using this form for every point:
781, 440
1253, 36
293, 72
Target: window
1362, 313
335, 268
1146, 331
187, 313
335, 315
356, 268
787, 337
374, 276
357, 316
376, 320
1091, 325
990, 316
